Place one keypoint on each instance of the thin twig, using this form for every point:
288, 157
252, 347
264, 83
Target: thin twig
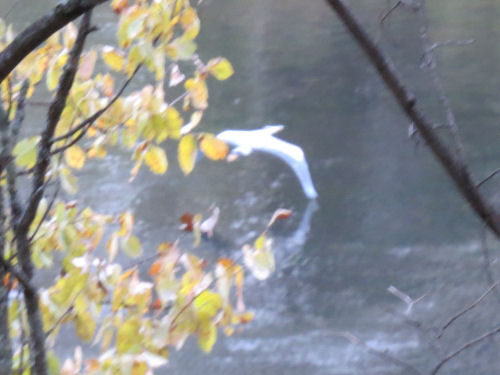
430, 62
464, 347
88, 121
489, 177
467, 309
63, 315
447, 43
388, 13
455, 167
487, 261
46, 213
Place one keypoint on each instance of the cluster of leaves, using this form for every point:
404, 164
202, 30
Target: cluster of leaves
136, 317
149, 35
135, 321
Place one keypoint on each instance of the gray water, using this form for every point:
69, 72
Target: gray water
386, 213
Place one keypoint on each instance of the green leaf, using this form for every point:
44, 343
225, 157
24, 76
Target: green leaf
53, 363
25, 152
187, 153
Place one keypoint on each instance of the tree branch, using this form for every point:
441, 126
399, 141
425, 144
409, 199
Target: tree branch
465, 347
54, 114
455, 168
83, 126
21, 227
430, 62
467, 309
40, 30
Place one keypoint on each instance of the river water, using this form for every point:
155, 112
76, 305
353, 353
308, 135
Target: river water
386, 213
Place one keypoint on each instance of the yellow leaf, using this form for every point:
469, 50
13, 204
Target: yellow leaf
126, 221
207, 305
187, 153
260, 259
112, 58
128, 335
156, 159
207, 334
198, 93
75, 157
213, 148
53, 74
85, 326
132, 246
220, 68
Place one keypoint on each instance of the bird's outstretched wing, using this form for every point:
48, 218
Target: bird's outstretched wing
293, 156
264, 140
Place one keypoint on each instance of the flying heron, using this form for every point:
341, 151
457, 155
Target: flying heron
247, 141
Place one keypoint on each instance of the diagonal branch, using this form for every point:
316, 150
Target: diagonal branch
21, 227
464, 347
40, 30
54, 114
467, 309
456, 169
430, 62
85, 124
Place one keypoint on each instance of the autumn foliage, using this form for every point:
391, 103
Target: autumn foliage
135, 317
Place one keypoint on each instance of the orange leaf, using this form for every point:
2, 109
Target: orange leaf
280, 213
119, 6
187, 220
212, 147
155, 267
156, 305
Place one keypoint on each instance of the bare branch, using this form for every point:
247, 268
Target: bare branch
487, 178
8, 141
447, 43
465, 347
40, 30
455, 167
404, 297
430, 63
467, 309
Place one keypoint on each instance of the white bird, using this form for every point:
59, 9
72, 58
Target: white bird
247, 141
